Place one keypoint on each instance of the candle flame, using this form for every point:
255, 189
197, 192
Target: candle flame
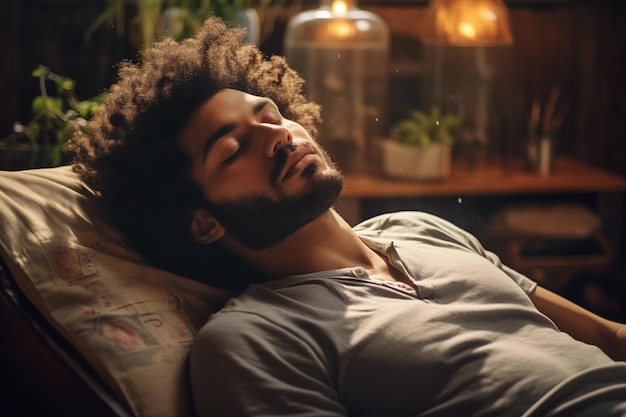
339, 7
467, 29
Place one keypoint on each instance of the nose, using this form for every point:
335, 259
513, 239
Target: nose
277, 137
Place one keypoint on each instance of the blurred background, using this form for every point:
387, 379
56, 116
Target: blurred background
559, 58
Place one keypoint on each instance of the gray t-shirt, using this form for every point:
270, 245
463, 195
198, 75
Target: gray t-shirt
466, 341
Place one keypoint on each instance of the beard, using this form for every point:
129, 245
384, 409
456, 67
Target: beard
259, 222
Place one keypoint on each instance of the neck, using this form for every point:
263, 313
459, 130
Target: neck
326, 243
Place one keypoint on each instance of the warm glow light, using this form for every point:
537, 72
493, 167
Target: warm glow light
467, 30
468, 23
339, 7
341, 28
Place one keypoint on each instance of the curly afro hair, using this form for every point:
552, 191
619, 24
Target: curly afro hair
131, 157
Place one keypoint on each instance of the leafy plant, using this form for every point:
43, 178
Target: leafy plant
148, 24
195, 12
422, 129
200, 10
55, 117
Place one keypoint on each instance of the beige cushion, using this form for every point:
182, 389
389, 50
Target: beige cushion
133, 323
557, 221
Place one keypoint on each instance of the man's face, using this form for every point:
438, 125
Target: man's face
263, 176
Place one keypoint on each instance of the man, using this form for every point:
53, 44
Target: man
204, 157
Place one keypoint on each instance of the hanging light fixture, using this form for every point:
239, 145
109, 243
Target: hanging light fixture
468, 23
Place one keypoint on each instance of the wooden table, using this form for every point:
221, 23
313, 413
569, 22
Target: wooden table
569, 177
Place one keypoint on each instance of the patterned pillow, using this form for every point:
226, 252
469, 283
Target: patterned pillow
133, 323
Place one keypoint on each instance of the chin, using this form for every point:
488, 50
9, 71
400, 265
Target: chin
325, 168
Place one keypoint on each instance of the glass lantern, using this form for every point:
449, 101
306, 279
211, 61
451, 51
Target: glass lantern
342, 52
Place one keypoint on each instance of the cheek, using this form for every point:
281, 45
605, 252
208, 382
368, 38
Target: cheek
241, 179
296, 129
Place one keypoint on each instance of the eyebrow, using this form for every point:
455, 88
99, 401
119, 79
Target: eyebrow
259, 105
229, 127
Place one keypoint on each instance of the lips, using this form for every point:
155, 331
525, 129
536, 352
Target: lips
299, 159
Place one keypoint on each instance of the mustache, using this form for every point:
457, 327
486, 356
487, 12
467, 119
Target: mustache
281, 160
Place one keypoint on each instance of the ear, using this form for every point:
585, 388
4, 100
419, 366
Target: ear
205, 228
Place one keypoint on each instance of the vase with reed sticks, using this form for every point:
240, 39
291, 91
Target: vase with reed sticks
542, 127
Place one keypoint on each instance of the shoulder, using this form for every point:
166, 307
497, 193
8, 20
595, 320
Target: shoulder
245, 325
414, 225
229, 343
423, 228
402, 220
233, 329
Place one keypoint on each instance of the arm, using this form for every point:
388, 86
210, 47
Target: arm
582, 324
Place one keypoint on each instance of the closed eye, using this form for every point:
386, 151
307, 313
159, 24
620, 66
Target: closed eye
274, 118
268, 111
235, 152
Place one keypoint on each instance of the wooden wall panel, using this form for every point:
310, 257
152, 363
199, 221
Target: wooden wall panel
10, 90
600, 127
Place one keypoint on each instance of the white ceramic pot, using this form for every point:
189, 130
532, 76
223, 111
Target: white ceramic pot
408, 162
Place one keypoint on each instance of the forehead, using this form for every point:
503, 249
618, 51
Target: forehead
226, 100
224, 107
221, 108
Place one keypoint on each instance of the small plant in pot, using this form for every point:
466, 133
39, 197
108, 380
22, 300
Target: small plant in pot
56, 115
420, 146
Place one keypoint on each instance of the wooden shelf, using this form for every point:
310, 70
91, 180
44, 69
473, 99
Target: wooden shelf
568, 176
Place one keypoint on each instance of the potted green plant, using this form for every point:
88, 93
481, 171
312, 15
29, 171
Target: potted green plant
420, 146
42, 142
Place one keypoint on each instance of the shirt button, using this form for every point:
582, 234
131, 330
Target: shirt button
359, 272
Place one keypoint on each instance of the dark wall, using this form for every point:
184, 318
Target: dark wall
51, 33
